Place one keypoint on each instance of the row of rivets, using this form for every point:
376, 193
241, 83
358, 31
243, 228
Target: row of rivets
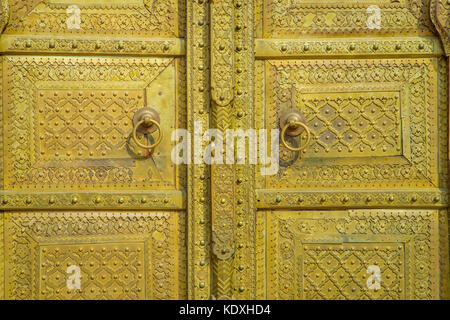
98, 45
368, 199
351, 47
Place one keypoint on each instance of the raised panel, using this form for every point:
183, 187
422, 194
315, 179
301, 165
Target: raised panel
149, 18
68, 122
295, 18
329, 254
121, 255
373, 122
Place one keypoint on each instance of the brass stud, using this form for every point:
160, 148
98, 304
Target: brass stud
278, 199
346, 199
201, 285
144, 200
5, 201
241, 289
74, 200
414, 199
437, 199
121, 200
51, 200
391, 198
28, 201
98, 200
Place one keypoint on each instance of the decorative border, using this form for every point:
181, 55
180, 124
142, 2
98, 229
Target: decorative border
284, 19
420, 76
440, 16
21, 95
416, 230
27, 231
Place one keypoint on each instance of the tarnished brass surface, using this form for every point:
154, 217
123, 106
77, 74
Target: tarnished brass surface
370, 189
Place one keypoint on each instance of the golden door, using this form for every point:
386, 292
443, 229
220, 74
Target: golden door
93, 207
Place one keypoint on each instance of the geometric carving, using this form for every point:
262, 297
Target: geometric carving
69, 123
372, 122
293, 19
111, 273
361, 121
325, 255
121, 255
333, 272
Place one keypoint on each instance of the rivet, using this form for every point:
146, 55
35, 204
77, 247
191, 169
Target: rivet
5, 201
414, 199
121, 200
51, 200
346, 199
201, 285
28, 201
202, 262
278, 199
437, 199
144, 200
391, 198
74, 200
241, 289
98, 200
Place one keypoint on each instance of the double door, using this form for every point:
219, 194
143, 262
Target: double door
95, 206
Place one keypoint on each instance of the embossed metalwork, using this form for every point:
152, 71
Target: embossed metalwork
121, 255
372, 188
325, 255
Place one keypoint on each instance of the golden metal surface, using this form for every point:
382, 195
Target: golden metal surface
370, 190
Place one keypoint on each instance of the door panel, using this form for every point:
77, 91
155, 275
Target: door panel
121, 255
327, 254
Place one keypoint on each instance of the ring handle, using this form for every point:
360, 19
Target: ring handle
148, 122
294, 124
